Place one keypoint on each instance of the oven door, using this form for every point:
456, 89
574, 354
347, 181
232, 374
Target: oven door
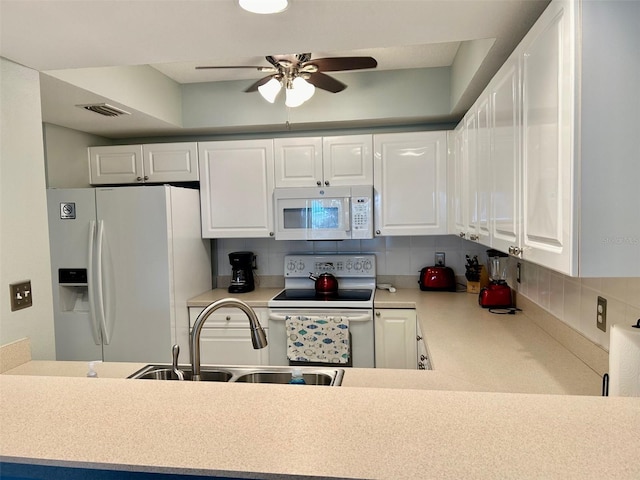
361, 330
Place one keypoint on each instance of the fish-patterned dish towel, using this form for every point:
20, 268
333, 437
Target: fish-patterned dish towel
317, 339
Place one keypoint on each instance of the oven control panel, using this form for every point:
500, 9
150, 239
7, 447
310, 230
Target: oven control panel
347, 265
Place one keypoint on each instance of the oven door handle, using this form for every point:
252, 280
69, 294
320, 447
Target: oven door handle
357, 318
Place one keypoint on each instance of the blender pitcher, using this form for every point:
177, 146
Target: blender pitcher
497, 294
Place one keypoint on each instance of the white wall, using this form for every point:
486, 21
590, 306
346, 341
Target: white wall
24, 237
67, 164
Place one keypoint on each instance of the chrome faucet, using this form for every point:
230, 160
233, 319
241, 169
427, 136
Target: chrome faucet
258, 337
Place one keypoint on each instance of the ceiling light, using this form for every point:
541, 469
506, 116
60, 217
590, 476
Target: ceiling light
264, 6
298, 92
270, 90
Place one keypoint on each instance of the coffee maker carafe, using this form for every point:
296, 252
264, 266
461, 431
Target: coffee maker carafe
242, 266
497, 294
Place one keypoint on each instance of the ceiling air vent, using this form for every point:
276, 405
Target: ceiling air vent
104, 109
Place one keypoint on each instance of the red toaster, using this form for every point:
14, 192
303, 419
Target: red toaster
437, 279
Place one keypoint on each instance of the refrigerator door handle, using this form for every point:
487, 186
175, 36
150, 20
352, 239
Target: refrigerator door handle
95, 329
106, 336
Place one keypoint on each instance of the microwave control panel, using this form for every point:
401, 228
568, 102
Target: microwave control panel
361, 224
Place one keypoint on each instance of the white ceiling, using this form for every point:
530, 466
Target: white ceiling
174, 36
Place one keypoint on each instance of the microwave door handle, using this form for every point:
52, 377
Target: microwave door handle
347, 214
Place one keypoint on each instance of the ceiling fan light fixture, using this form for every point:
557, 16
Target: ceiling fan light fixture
264, 6
270, 90
299, 92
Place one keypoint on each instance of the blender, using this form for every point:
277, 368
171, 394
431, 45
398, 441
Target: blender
242, 266
497, 294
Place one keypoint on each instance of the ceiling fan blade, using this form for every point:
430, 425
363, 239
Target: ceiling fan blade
342, 63
325, 82
260, 69
254, 86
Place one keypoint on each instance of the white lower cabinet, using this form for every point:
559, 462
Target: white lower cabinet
395, 338
225, 338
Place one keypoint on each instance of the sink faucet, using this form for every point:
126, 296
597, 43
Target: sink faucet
258, 337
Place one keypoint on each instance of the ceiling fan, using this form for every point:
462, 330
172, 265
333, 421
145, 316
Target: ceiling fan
300, 75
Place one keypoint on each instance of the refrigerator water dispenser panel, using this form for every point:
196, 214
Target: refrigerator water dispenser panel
72, 276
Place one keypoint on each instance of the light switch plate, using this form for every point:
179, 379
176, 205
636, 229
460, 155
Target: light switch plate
21, 295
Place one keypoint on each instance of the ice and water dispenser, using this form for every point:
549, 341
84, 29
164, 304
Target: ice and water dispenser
74, 290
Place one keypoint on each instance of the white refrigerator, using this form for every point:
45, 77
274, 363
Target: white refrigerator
124, 262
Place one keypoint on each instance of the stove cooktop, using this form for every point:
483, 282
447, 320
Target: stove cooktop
343, 295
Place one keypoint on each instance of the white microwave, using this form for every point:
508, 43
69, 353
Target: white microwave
323, 213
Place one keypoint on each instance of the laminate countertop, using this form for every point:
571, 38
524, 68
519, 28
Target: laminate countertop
382, 424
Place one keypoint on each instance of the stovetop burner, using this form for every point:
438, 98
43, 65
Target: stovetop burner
304, 294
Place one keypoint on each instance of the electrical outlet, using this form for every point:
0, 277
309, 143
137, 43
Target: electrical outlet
21, 295
440, 259
518, 271
601, 314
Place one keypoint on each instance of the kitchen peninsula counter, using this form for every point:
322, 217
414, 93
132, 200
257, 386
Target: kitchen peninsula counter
256, 431
487, 422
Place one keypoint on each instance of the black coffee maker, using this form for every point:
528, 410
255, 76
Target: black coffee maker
242, 265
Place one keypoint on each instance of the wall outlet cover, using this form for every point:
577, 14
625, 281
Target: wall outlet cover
601, 314
440, 259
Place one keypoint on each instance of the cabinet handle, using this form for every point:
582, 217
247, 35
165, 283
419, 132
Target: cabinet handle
377, 314
423, 357
318, 183
418, 338
473, 237
326, 182
462, 234
228, 318
377, 232
146, 177
515, 250
271, 234
421, 366
139, 179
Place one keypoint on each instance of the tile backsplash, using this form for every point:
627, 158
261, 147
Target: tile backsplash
574, 300
571, 300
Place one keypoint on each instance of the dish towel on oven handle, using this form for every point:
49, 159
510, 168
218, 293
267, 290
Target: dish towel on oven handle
317, 339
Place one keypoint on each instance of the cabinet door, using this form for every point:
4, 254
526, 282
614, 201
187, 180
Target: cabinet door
298, 162
410, 180
117, 164
457, 181
230, 346
236, 188
395, 338
506, 157
347, 160
170, 162
548, 96
469, 169
483, 171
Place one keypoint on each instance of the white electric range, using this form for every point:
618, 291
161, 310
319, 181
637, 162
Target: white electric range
356, 275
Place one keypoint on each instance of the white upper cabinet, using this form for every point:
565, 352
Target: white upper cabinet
457, 190
410, 178
236, 188
506, 157
149, 163
323, 161
483, 170
347, 160
117, 164
548, 81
